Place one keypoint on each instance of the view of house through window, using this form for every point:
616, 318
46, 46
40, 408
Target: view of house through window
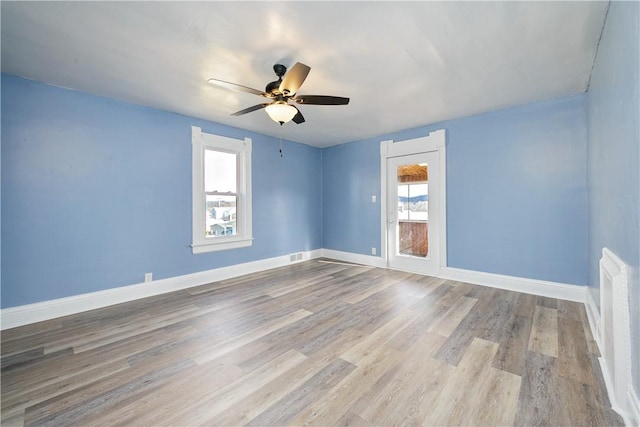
221, 192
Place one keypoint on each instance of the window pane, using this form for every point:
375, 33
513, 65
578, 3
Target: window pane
418, 202
413, 210
221, 216
220, 171
403, 205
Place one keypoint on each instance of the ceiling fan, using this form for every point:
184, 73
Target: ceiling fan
280, 92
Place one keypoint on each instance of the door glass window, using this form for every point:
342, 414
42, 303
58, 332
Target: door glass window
413, 210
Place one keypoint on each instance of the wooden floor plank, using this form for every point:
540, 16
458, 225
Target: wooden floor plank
337, 401
547, 302
574, 360
540, 393
452, 318
511, 356
313, 343
460, 393
260, 400
375, 341
525, 305
544, 332
60, 410
198, 411
386, 404
233, 343
300, 398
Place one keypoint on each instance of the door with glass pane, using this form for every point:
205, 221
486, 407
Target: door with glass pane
412, 198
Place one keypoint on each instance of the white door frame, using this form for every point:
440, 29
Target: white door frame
434, 141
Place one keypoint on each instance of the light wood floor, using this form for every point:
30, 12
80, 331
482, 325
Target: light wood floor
315, 343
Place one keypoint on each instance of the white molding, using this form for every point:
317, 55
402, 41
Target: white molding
369, 260
615, 334
632, 417
442, 151
593, 315
26, 314
434, 141
519, 284
31, 313
200, 248
384, 146
242, 148
634, 404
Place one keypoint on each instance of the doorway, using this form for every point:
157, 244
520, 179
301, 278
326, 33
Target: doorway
413, 204
412, 229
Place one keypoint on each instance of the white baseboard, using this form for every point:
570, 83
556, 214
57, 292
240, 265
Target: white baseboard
372, 261
530, 286
593, 314
26, 314
23, 315
517, 284
634, 404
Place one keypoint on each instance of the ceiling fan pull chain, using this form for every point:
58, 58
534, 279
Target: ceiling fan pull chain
281, 154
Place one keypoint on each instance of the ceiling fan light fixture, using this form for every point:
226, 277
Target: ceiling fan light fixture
281, 112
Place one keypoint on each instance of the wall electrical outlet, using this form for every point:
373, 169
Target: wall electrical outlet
148, 277
373, 198
373, 251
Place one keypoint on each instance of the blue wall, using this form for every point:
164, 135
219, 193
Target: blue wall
350, 176
516, 192
97, 192
614, 156
516, 188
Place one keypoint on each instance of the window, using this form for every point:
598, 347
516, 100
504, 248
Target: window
413, 202
221, 192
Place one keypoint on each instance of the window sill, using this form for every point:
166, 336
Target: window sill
199, 248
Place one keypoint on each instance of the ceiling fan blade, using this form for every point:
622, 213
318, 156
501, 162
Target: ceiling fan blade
250, 109
294, 78
321, 100
236, 87
298, 118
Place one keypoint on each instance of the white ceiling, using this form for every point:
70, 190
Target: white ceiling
403, 64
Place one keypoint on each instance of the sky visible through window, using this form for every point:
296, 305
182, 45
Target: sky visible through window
220, 171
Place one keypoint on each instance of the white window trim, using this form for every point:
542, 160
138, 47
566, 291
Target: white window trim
199, 142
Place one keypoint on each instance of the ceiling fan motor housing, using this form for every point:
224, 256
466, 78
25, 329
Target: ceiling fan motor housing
280, 70
273, 88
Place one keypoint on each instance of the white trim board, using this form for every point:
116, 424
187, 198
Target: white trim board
26, 314
615, 335
542, 288
433, 141
634, 403
369, 260
31, 313
593, 315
